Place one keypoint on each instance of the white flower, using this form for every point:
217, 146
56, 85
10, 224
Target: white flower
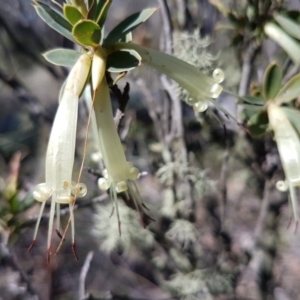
288, 144
61, 150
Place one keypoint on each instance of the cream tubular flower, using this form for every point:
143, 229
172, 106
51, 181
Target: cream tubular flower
288, 144
200, 87
60, 151
118, 169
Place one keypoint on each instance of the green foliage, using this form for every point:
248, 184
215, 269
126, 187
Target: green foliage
290, 26
127, 25
72, 14
272, 81
123, 60
272, 91
62, 57
54, 19
289, 91
87, 33
258, 123
294, 117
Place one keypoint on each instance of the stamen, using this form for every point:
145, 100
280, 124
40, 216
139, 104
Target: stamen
31, 245
74, 251
218, 75
200, 106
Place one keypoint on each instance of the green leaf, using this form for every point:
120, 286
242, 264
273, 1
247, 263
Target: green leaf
123, 60
80, 5
14, 204
54, 19
290, 45
258, 123
249, 110
72, 14
294, 117
255, 101
127, 38
62, 57
128, 25
103, 13
96, 9
287, 24
87, 32
294, 15
272, 81
289, 91
90, 4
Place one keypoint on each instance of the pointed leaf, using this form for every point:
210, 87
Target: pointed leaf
62, 57
80, 5
254, 101
288, 25
272, 81
290, 46
90, 4
55, 20
258, 123
294, 117
87, 32
294, 15
96, 9
289, 91
123, 60
91, 9
127, 38
103, 13
72, 14
249, 110
128, 25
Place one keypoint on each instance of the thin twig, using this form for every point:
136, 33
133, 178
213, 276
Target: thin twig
263, 210
223, 178
83, 274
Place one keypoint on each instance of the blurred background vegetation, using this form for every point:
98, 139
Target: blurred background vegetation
220, 229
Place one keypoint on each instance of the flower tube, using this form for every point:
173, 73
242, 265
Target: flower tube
61, 150
288, 145
118, 169
201, 87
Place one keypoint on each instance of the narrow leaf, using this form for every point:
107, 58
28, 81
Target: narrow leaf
87, 32
290, 26
55, 20
103, 13
258, 123
72, 14
55, 15
272, 81
123, 60
80, 5
90, 3
290, 46
96, 9
127, 38
294, 117
62, 57
128, 25
289, 91
254, 101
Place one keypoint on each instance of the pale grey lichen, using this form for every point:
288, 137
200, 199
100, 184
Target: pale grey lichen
106, 229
